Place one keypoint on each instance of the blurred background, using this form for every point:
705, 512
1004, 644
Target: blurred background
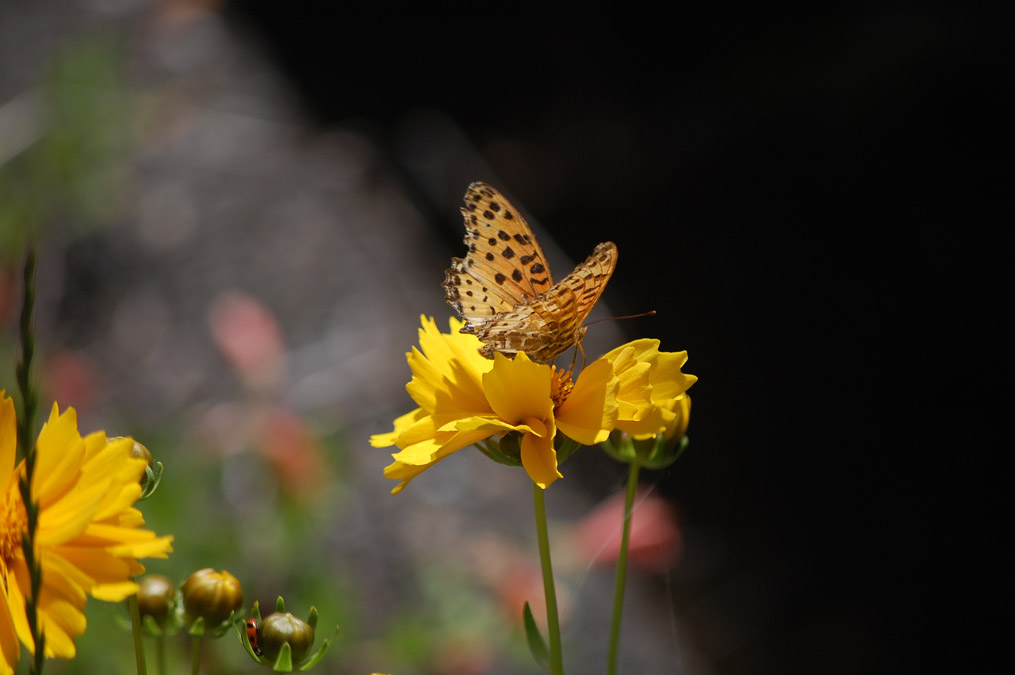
245, 207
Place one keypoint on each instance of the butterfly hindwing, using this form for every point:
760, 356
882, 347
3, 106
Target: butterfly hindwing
553, 321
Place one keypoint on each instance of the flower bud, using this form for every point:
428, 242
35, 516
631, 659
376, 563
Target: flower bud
211, 595
677, 427
141, 452
284, 628
155, 597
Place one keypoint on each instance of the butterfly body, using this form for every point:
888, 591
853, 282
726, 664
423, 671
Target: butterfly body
504, 290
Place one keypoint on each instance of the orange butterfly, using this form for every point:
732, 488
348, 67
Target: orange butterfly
503, 288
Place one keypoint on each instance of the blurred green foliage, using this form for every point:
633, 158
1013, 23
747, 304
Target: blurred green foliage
71, 149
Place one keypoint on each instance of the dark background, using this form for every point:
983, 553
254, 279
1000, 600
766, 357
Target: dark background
816, 208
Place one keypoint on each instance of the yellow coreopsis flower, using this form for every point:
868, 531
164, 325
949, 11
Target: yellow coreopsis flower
652, 394
89, 534
464, 398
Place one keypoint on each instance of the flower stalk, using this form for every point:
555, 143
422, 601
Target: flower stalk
135, 622
552, 619
195, 656
618, 593
25, 433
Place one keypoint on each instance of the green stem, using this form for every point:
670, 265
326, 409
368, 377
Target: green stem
618, 594
26, 447
552, 622
135, 620
23, 372
195, 656
160, 651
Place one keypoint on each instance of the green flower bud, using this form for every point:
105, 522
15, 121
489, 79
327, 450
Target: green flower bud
284, 628
155, 597
211, 595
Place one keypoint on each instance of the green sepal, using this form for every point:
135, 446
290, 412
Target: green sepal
151, 480
312, 618
200, 629
151, 627
506, 450
319, 654
655, 454
284, 662
565, 447
537, 646
197, 628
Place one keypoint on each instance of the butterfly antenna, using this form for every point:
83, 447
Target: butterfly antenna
651, 312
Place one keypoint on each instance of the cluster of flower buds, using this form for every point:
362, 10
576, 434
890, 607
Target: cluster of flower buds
208, 603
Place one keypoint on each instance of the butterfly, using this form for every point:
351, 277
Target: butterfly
503, 288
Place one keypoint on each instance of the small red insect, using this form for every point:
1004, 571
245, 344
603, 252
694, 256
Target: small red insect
254, 634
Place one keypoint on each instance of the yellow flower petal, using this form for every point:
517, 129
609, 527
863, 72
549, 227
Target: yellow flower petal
10, 646
540, 459
429, 452
69, 517
446, 374
422, 452
59, 610
518, 388
530, 425
401, 424
422, 430
590, 411
114, 592
8, 438
60, 453
682, 415
404, 473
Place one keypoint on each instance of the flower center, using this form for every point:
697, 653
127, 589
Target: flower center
561, 385
13, 522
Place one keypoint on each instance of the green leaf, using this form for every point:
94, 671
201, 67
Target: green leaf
537, 646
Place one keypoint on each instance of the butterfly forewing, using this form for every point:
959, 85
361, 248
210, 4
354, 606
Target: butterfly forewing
505, 266
503, 288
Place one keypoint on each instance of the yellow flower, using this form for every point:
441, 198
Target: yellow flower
89, 535
652, 394
464, 398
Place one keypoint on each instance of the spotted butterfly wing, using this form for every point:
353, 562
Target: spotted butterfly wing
503, 288
504, 268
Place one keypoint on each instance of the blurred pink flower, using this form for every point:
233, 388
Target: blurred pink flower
655, 545
250, 339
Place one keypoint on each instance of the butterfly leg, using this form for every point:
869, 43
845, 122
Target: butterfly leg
574, 359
